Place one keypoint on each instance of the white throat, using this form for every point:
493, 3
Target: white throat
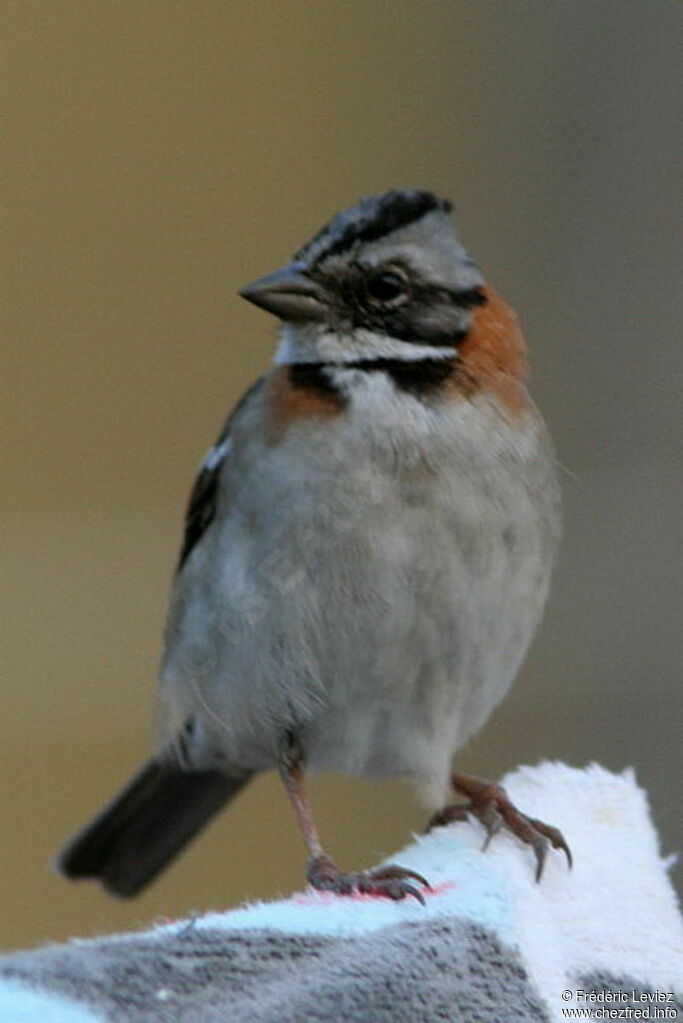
316, 343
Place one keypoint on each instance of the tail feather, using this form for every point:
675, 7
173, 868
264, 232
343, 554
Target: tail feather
147, 824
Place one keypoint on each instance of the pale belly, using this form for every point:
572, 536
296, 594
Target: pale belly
379, 614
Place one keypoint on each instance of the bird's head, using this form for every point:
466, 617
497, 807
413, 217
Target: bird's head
386, 278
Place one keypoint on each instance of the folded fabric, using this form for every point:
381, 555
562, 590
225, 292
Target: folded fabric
602, 941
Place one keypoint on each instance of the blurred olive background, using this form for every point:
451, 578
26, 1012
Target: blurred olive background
163, 153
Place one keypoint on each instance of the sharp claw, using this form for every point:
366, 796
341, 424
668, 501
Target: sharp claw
410, 889
540, 852
490, 804
393, 871
401, 889
560, 843
490, 817
492, 820
555, 837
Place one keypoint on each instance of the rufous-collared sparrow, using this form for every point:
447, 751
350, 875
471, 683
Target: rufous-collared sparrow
367, 551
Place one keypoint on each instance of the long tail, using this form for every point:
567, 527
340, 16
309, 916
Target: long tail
156, 814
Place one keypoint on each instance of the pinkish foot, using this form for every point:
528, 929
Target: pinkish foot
391, 881
490, 804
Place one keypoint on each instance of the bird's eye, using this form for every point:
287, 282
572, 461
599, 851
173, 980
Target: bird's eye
386, 287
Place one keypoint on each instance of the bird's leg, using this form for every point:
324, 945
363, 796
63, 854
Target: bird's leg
390, 881
490, 804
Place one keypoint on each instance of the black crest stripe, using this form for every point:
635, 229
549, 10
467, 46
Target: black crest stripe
372, 218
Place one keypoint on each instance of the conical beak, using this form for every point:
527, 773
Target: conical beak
288, 293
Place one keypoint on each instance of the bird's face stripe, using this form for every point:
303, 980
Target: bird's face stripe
328, 346
491, 358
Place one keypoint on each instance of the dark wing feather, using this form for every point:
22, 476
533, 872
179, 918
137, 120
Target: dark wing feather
201, 508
